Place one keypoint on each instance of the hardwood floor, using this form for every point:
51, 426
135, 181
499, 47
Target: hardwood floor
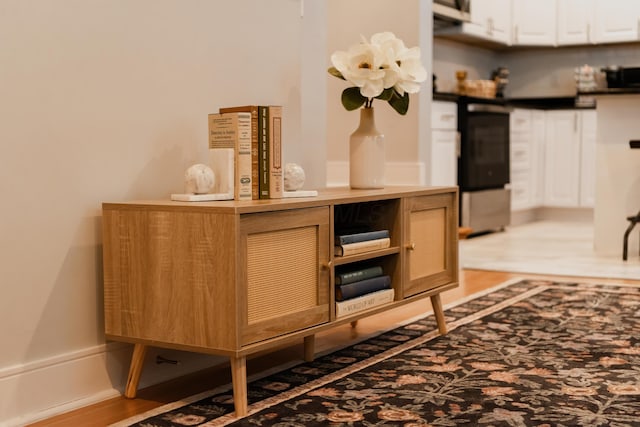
120, 408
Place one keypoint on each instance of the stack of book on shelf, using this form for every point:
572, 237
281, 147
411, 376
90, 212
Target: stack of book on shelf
357, 243
245, 151
362, 289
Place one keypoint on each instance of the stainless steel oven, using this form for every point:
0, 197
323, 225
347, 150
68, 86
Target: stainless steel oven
484, 155
484, 166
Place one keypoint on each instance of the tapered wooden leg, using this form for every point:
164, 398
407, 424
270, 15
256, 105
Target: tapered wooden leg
309, 348
436, 303
239, 379
135, 370
354, 323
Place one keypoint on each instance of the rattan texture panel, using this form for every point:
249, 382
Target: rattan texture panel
282, 274
429, 235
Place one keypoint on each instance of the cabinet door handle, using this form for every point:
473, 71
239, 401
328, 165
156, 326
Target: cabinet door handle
327, 265
411, 246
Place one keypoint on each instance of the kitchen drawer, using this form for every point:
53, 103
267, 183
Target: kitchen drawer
444, 115
520, 196
520, 120
520, 158
520, 190
520, 177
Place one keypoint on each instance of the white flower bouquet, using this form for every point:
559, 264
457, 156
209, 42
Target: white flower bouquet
383, 68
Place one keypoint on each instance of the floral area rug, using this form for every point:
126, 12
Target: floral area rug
533, 353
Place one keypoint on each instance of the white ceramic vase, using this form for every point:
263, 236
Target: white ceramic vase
366, 153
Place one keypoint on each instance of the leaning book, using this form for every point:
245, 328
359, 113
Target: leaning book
365, 302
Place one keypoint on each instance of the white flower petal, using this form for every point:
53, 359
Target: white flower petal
384, 62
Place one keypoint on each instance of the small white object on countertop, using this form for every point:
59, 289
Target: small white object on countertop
199, 179
293, 177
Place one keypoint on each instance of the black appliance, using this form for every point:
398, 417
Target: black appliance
450, 12
622, 77
484, 165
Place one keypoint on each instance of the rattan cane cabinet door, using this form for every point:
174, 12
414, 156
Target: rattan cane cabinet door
285, 278
430, 242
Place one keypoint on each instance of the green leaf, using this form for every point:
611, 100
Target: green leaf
334, 72
352, 99
400, 103
386, 94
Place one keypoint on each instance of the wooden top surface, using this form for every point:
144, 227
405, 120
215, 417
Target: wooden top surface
332, 195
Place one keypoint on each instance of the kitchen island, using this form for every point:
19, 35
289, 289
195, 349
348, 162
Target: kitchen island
617, 170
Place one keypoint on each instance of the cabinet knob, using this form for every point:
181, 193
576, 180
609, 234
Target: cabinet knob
327, 265
411, 246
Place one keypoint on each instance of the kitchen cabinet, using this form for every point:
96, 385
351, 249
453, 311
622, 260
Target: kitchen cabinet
527, 156
574, 20
490, 22
562, 164
538, 139
500, 23
534, 23
445, 143
520, 163
235, 278
616, 21
569, 158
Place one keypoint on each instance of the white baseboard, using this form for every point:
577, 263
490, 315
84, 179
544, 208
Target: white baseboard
396, 173
45, 388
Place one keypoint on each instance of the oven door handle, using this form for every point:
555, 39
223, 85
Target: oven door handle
488, 108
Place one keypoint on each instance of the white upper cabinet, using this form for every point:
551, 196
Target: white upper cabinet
549, 22
574, 20
490, 20
534, 23
616, 21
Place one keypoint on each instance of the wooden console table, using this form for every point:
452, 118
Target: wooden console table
233, 278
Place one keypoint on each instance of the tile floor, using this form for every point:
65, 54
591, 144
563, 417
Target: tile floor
546, 247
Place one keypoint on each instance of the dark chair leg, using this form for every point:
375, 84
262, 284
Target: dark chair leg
625, 241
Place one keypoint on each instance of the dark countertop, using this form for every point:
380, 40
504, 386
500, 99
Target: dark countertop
582, 100
542, 103
615, 91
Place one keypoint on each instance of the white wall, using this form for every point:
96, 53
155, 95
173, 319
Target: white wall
450, 56
534, 72
550, 72
107, 100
